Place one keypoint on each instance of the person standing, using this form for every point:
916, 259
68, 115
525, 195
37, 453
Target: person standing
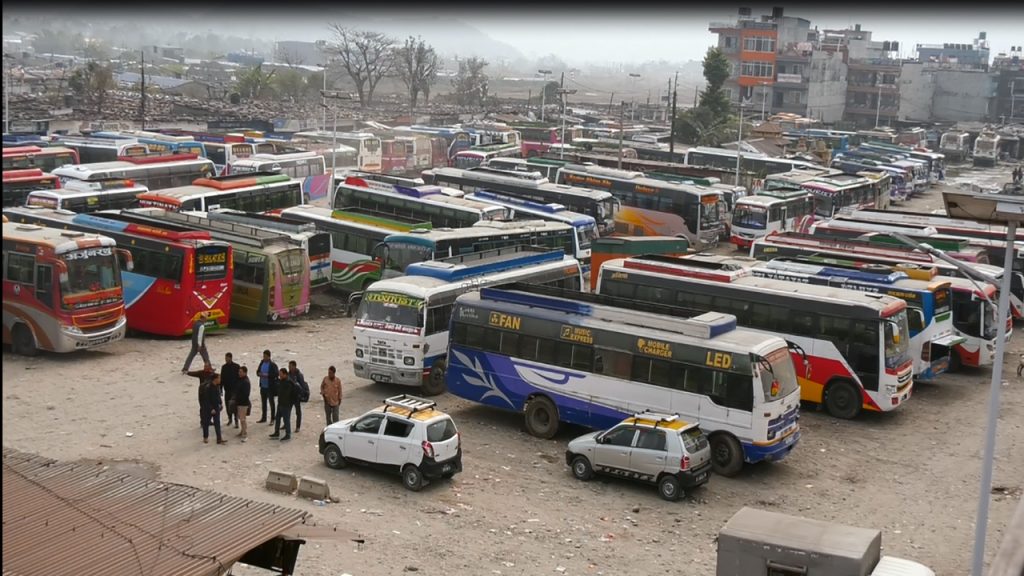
330, 389
241, 398
286, 396
267, 372
211, 407
228, 381
303, 392
205, 376
198, 343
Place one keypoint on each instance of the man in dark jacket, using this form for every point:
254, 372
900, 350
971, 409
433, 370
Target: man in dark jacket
242, 389
267, 373
205, 376
211, 406
296, 375
228, 381
287, 394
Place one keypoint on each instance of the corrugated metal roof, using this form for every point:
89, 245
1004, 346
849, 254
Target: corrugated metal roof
66, 518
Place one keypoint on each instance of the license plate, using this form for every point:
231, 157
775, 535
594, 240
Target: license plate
446, 468
702, 476
380, 377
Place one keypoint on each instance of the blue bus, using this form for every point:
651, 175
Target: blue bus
587, 359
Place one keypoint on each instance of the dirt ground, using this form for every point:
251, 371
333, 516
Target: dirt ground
516, 509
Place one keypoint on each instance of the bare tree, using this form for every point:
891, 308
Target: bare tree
471, 82
92, 83
416, 63
367, 57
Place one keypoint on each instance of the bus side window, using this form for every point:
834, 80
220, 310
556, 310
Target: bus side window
437, 319
527, 348
509, 343
44, 285
614, 363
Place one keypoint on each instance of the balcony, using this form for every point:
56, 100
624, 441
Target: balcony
798, 57
865, 109
722, 26
879, 65
790, 79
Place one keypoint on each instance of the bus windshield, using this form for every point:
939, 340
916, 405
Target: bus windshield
391, 311
896, 349
747, 216
709, 216
90, 270
586, 236
780, 381
401, 254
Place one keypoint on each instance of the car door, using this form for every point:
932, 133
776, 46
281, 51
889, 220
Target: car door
649, 457
394, 447
360, 442
612, 451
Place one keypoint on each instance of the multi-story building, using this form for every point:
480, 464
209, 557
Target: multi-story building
975, 54
1008, 69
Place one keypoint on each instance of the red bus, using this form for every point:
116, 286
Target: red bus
177, 276
46, 159
393, 158
438, 151
62, 290
18, 184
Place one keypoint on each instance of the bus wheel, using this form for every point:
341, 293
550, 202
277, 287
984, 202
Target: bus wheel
434, 383
726, 455
23, 342
541, 417
842, 400
955, 363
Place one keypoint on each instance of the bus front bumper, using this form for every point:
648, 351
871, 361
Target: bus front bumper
756, 452
404, 375
72, 339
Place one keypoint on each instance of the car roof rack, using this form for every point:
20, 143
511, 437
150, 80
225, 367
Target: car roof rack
658, 417
411, 403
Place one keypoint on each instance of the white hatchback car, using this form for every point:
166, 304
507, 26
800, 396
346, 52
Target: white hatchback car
408, 435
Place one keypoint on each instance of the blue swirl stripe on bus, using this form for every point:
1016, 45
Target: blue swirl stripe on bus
134, 286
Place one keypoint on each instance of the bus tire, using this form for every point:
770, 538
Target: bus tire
23, 342
434, 383
541, 417
956, 364
726, 455
842, 400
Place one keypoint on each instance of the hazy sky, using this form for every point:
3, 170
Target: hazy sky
683, 33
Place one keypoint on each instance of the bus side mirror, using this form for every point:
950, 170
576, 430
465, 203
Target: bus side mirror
62, 272
126, 257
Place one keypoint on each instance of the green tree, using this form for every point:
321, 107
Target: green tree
471, 82
716, 72
710, 123
254, 84
91, 84
290, 84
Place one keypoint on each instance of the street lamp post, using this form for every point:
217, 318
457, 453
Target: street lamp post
739, 143
764, 97
1013, 87
543, 92
632, 96
7, 93
563, 92
334, 95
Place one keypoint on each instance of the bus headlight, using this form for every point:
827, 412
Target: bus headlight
890, 389
771, 434
71, 329
359, 352
409, 360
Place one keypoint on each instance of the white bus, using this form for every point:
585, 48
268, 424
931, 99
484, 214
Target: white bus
586, 226
82, 196
401, 328
559, 356
102, 149
770, 211
367, 146
309, 168
259, 192
153, 172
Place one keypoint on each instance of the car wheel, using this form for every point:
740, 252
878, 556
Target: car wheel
669, 488
726, 455
24, 342
412, 478
581, 468
842, 400
333, 457
541, 417
434, 383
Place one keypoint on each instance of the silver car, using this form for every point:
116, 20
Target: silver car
659, 449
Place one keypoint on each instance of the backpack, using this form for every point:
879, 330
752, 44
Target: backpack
303, 388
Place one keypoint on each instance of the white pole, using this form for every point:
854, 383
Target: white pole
739, 142
561, 147
1013, 86
323, 99
878, 109
981, 524
334, 151
7, 96
764, 98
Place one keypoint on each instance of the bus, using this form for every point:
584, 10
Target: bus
309, 168
18, 184
599, 204
653, 207
316, 243
177, 277
478, 155
835, 140
271, 272
955, 145
153, 172
407, 317
585, 226
400, 249
452, 140
257, 192
956, 247
901, 185
857, 344
82, 196
770, 211
834, 194
418, 152
159, 143
222, 149
426, 202
876, 135
102, 149
44, 158
354, 236
795, 244
882, 182
935, 162
929, 303
795, 178
393, 159
612, 247
366, 145
587, 359
756, 163
62, 289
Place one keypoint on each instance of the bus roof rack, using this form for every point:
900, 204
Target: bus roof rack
411, 403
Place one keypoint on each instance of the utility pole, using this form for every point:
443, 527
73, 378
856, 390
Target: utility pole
334, 135
610, 98
672, 138
142, 85
544, 92
739, 143
561, 149
323, 98
529, 98
764, 98
622, 110
7, 94
1013, 86
878, 109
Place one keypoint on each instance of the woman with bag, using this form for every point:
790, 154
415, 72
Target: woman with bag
241, 400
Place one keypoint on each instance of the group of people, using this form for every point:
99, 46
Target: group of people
283, 389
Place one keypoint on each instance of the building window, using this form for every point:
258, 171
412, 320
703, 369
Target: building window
729, 42
757, 69
759, 44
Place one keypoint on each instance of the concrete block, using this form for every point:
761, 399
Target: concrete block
281, 481
314, 488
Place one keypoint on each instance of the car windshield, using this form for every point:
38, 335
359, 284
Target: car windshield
441, 430
747, 216
779, 382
